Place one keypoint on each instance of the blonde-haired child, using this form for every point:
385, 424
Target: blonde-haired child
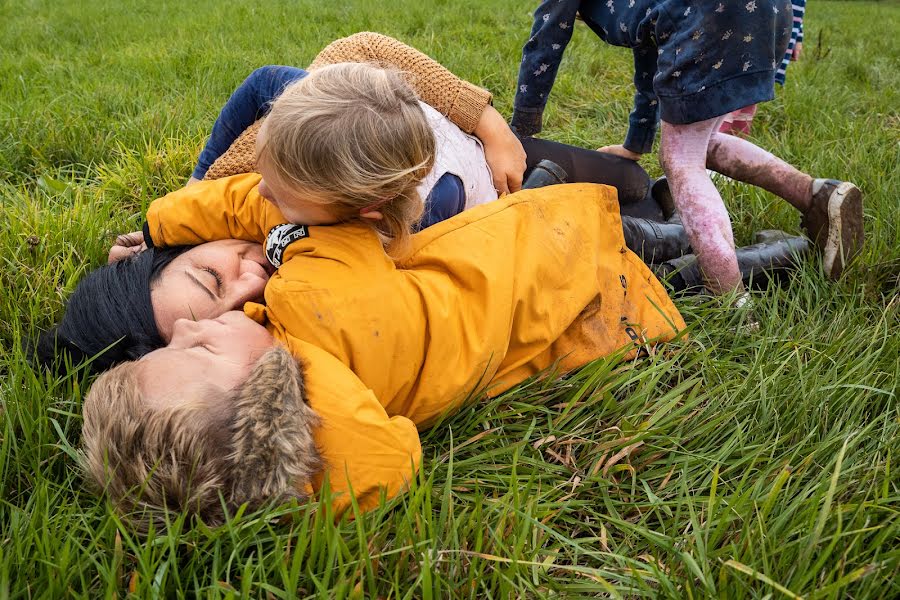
348, 141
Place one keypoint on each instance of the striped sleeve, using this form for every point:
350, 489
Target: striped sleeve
799, 9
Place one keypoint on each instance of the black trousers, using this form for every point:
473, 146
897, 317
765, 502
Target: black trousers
589, 166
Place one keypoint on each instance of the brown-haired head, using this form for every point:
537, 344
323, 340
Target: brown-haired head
207, 456
354, 136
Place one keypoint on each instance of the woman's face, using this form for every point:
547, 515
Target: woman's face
207, 354
207, 281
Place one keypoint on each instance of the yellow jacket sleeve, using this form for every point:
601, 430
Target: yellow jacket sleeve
366, 453
227, 208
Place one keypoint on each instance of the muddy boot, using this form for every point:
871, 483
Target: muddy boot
758, 263
834, 222
655, 242
545, 173
682, 274
770, 236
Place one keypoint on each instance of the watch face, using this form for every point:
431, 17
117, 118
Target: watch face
280, 237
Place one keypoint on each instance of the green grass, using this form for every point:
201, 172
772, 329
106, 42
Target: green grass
734, 465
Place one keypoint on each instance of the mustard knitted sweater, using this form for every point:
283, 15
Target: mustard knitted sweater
458, 100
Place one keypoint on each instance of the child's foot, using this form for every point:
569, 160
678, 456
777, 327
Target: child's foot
834, 222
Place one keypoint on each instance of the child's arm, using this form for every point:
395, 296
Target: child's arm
364, 449
799, 8
228, 208
554, 21
645, 114
455, 98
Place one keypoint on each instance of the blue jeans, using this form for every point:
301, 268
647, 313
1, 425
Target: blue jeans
251, 100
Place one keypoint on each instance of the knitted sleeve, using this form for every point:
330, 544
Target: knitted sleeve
239, 158
458, 100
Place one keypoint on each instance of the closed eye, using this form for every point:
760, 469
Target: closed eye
217, 276
200, 285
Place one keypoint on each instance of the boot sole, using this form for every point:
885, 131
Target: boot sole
845, 229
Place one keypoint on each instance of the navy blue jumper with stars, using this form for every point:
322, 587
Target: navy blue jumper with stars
692, 60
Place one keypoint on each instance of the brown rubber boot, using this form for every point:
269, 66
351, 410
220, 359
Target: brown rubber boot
834, 222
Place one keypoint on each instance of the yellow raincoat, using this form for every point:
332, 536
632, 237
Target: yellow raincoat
480, 301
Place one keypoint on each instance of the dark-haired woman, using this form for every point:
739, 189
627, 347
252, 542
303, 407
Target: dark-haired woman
127, 308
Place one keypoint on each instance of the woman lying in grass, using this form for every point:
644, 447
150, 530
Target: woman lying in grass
481, 301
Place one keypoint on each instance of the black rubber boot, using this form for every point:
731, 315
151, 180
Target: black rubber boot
662, 194
759, 263
655, 242
545, 173
648, 208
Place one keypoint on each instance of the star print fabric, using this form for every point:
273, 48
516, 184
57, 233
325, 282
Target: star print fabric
693, 60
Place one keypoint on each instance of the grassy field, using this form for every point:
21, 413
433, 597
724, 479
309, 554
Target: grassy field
735, 465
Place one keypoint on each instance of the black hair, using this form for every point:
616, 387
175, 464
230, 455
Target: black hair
109, 316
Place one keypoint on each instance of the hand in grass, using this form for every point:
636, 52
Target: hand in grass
127, 244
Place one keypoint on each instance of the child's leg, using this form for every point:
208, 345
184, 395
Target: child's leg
589, 166
742, 160
832, 210
683, 151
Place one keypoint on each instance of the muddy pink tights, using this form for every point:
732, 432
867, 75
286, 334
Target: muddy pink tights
685, 152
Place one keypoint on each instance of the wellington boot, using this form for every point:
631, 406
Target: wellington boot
662, 193
545, 173
834, 222
655, 242
758, 263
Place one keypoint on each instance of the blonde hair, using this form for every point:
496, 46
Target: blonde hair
354, 134
252, 444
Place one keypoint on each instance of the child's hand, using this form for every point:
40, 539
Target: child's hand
502, 150
127, 244
798, 48
620, 150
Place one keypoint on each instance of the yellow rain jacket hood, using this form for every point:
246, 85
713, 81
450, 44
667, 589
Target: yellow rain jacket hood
478, 302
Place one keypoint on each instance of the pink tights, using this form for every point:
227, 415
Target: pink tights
685, 152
